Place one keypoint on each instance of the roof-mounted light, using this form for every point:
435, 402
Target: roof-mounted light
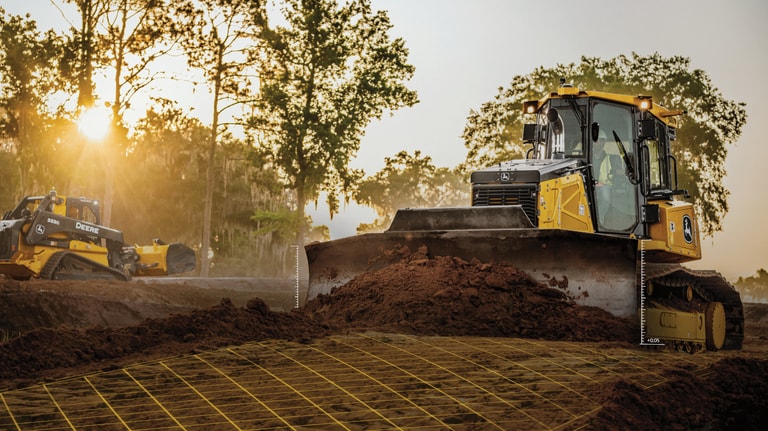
530, 107
644, 103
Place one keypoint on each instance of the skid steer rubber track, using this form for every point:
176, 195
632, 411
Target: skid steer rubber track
70, 266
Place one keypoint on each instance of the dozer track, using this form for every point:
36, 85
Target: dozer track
65, 265
705, 286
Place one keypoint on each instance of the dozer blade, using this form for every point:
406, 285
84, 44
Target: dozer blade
165, 259
594, 269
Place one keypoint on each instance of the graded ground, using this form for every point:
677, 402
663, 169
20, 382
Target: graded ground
54, 331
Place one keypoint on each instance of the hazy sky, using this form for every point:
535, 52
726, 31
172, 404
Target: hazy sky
464, 50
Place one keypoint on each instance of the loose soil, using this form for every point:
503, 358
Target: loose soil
56, 329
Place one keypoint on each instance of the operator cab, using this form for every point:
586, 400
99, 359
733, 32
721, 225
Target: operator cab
622, 145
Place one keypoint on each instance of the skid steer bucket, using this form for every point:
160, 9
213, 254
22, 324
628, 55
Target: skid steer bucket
165, 259
594, 269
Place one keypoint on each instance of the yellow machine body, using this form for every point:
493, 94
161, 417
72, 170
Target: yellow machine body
595, 202
563, 204
59, 237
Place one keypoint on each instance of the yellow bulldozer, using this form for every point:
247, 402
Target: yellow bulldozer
594, 207
58, 237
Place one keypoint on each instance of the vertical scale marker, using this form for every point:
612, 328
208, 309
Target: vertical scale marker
644, 341
297, 276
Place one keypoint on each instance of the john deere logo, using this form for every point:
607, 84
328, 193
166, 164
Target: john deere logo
687, 229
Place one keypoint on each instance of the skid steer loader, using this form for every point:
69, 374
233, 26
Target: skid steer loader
57, 237
594, 207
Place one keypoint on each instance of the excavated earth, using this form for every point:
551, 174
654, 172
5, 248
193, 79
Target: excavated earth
55, 329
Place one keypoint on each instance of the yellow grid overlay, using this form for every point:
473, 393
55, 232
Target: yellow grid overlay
355, 382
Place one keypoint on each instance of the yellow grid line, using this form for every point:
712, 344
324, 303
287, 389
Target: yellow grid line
577, 418
642, 371
10, 413
241, 387
418, 384
194, 389
109, 406
353, 396
288, 385
542, 358
159, 404
419, 379
497, 373
459, 402
58, 407
379, 382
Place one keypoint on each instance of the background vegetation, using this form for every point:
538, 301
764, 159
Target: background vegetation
292, 90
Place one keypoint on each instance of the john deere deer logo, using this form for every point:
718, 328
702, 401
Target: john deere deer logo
687, 229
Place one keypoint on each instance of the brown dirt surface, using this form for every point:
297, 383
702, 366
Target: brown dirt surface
57, 329
452, 297
731, 397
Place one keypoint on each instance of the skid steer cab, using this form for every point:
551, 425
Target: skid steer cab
57, 237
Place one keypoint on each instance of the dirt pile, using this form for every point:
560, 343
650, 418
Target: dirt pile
27, 305
55, 352
452, 297
732, 396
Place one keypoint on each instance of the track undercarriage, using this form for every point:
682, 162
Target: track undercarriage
70, 266
692, 310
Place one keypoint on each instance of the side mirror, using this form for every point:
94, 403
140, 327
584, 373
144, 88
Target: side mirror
529, 132
594, 131
646, 129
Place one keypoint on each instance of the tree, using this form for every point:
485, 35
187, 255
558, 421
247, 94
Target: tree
325, 75
164, 166
220, 35
81, 53
408, 181
124, 37
492, 134
28, 75
754, 288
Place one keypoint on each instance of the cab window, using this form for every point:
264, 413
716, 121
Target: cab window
657, 167
615, 196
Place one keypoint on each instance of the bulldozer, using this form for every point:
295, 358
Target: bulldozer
593, 208
61, 238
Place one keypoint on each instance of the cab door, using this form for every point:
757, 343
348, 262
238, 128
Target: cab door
615, 197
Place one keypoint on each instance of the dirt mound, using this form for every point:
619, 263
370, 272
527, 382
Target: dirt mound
27, 305
732, 396
53, 352
452, 297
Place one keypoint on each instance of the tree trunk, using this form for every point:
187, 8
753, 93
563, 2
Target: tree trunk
300, 199
210, 173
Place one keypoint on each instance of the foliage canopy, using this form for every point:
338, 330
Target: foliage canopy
408, 181
493, 133
326, 73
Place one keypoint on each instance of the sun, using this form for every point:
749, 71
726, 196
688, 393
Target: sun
94, 122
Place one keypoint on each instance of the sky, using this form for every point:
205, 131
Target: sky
465, 50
